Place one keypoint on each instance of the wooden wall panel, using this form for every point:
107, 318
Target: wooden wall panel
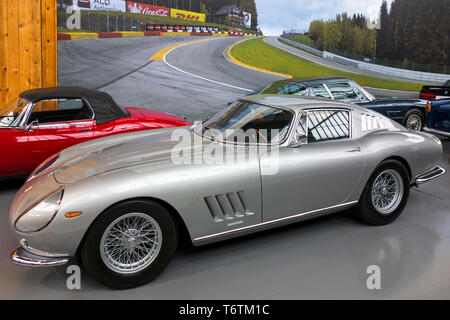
28, 46
24, 43
35, 47
3, 70
12, 49
49, 40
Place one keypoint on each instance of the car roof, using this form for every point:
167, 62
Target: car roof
297, 102
103, 105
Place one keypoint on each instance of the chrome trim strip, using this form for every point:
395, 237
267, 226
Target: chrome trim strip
437, 132
431, 174
64, 124
29, 249
274, 221
24, 258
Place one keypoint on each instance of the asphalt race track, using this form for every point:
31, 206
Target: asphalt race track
323, 258
122, 68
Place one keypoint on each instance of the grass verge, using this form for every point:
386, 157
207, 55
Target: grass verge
255, 52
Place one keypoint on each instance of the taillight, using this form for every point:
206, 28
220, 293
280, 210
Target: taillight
427, 96
428, 107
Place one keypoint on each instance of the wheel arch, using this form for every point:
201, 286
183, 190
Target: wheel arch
183, 232
403, 161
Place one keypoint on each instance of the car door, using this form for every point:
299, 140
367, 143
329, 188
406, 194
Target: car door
320, 172
58, 124
15, 159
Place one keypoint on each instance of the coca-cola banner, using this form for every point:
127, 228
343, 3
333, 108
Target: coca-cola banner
142, 8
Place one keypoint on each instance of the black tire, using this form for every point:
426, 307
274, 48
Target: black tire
366, 210
90, 251
417, 114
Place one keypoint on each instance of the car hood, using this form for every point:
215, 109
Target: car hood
118, 152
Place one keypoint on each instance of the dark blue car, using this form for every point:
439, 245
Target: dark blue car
438, 117
408, 112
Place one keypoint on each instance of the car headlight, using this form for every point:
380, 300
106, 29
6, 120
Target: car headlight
41, 213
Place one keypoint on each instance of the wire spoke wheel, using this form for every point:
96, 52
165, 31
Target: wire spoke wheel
414, 122
387, 192
131, 243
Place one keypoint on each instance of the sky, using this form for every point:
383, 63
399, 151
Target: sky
277, 15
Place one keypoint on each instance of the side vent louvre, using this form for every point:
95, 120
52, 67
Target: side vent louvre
227, 206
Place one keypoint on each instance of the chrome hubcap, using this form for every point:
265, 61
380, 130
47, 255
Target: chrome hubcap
387, 192
131, 243
414, 122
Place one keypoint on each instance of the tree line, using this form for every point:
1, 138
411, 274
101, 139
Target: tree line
412, 31
415, 31
344, 33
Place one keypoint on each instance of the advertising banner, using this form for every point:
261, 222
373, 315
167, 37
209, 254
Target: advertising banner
142, 8
187, 15
103, 5
247, 20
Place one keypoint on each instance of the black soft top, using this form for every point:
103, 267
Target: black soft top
103, 105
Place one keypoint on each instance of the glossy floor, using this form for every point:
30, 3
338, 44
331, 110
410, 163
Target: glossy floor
323, 258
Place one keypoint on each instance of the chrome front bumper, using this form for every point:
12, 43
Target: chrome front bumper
437, 132
25, 258
430, 175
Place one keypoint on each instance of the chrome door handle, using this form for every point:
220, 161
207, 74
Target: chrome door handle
83, 130
357, 149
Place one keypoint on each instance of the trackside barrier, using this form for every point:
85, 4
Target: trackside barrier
103, 35
62, 36
175, 34
397, 72
303, 47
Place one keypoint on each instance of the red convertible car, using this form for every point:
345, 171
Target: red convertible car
42, 122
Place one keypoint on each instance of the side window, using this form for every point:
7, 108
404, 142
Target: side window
60, 110
343, 92
328, 125
320, 91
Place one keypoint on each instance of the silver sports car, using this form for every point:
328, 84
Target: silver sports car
119, 203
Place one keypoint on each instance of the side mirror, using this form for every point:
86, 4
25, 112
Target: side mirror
29, 127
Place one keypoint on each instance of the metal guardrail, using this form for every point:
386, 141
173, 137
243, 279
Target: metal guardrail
303, 47
397, 72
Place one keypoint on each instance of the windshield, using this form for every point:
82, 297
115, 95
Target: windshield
247, 122
11, 114
285, 88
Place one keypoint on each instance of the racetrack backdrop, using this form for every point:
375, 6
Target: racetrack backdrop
28, 46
